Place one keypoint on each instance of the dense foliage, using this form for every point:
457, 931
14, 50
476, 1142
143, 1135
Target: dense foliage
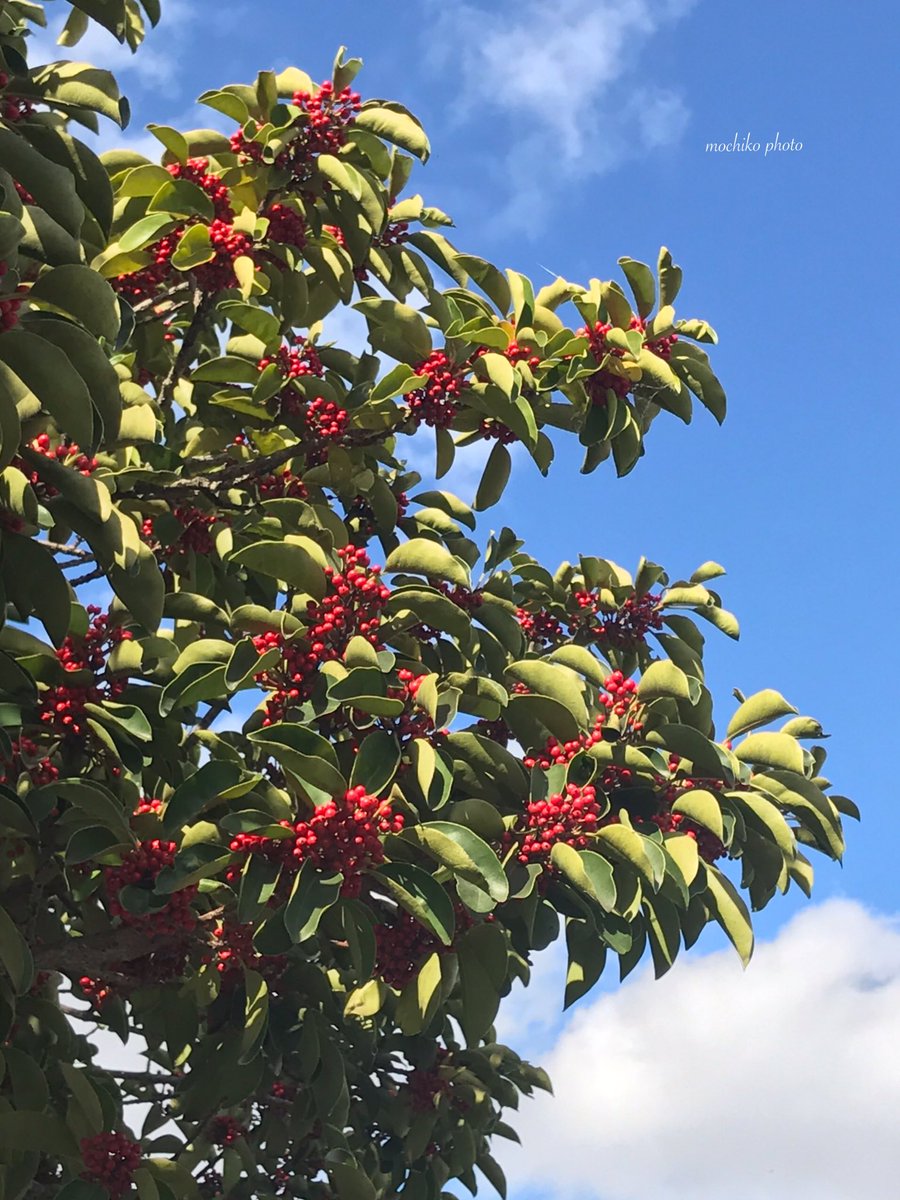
306, 924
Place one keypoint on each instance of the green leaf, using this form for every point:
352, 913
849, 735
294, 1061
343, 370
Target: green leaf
376, 762
464, 853
482, 957
420, 895
776, 750
51, 185
663, 679
729, 910
396, 329
421, 997
707, 570
252, 319
46, 371
291, 563
194, 248
398, 381
311, 896
256, 1015
396, 124
80, 293
201, 790
589, 872
146, 230
16, 960
587, 958
421, 556
759, 709
629, 847
669, 277
642, 283
558, 682
304, 753
35, 583
91, 363
181, 198
27, 1131
85, 1095
173, 141
367, 1000
703, 808
494, 478
141, 589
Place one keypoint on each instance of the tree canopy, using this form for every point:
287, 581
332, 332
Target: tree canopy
441, 754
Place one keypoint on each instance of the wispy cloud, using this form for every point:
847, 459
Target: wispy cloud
781, 1081
571, 80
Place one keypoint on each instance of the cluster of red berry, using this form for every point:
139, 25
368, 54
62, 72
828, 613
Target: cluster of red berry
196, 171
227, 242
493, 430
468, 599
320, 128
662, 346
401, 945
235, 950
96, 991
196, 535
110, 1159
323, 421
286, 225
294, 361
604, 379
13, 108
427, 1085
540, 627
435, 403
414, 722
497, 730
224, 1130
25, 757
64, 451
344, 834
620, 693
283, 485
62, 706
140, 868
624, 628
570, 817
556, 753
9, 305
147, 804
337, 233
352, 606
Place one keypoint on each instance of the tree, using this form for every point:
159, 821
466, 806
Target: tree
309, 922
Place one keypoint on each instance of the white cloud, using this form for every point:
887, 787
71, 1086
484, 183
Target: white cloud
572, 79
781, 1081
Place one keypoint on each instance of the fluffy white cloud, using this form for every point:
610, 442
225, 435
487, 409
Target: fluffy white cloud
781, 1081
572, 79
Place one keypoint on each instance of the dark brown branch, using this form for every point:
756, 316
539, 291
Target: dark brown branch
72, 550
97, 573
202, 305
141, 1076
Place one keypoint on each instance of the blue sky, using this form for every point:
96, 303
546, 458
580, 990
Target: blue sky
566, 135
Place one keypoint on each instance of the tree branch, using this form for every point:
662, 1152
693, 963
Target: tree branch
202, 304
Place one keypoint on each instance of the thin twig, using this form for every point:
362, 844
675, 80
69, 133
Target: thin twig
202, 303
97, 573
72, 550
